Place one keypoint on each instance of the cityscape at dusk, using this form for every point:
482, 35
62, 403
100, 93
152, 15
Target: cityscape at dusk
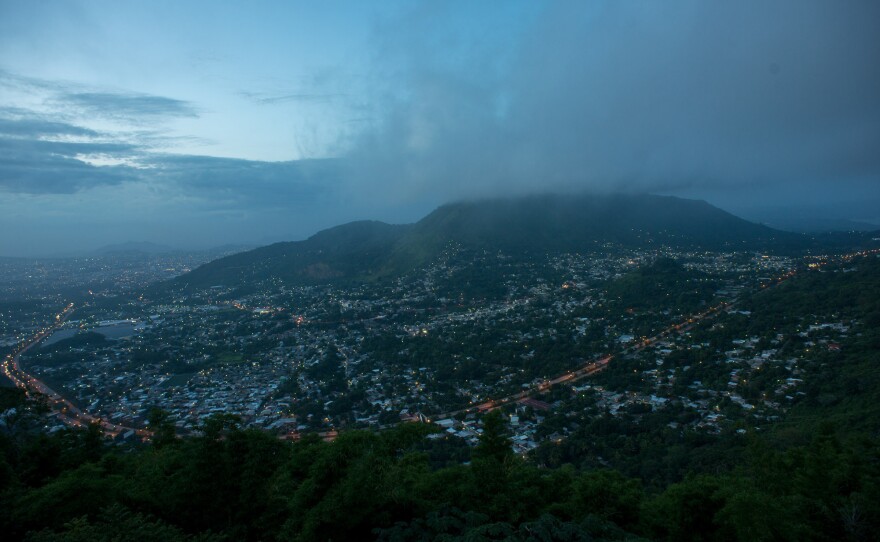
459, 271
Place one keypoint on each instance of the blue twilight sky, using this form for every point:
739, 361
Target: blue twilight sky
195, 124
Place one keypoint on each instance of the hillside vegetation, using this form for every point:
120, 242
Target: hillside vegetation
363, 251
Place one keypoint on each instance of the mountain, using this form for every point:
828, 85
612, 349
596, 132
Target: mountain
348, 251
517, 226
541, 223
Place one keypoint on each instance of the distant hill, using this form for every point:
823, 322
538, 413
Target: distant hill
349, 251
517, 226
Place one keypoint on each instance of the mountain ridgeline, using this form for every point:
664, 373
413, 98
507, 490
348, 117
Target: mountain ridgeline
369, 250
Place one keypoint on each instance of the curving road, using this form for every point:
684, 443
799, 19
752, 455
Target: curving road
588, 369
602, 362
67, 412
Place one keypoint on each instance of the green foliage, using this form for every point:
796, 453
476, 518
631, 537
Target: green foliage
116, 524
452, 524
494, 443
329, 371
664, 285
162, 426
608, 495
11, 398
246, 485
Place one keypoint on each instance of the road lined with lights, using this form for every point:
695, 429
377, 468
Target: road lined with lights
11, 367
589, 369
67, 412
601, 363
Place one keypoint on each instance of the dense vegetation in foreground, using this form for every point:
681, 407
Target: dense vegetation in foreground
233, 484
814, 476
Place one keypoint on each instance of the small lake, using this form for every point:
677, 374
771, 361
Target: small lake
60, 335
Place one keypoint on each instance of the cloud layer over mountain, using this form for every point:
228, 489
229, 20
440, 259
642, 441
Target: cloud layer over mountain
759, 107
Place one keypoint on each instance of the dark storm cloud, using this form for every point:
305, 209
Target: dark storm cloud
637, 96
136, 107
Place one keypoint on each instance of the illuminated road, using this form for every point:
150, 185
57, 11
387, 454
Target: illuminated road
588, 369
67, 412
599, 364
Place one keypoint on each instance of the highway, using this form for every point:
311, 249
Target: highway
67, 412
599, 364
590, 368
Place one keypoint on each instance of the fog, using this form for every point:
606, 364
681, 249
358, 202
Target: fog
733, 102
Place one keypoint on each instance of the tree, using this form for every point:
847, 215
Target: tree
686, 511
118, 524
608, 495
163, 429
495, 440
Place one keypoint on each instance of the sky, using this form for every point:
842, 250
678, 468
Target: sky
204, 123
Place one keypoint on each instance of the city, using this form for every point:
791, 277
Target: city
300, 359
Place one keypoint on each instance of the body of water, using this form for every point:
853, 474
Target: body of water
60, 335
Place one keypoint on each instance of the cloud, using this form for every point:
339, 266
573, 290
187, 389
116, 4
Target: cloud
49, 167
69, 98
280, 98
245, 184
42, 157
632, 96
50, 149
36, 127
130, 106
33, 166
15, 81
742, 103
